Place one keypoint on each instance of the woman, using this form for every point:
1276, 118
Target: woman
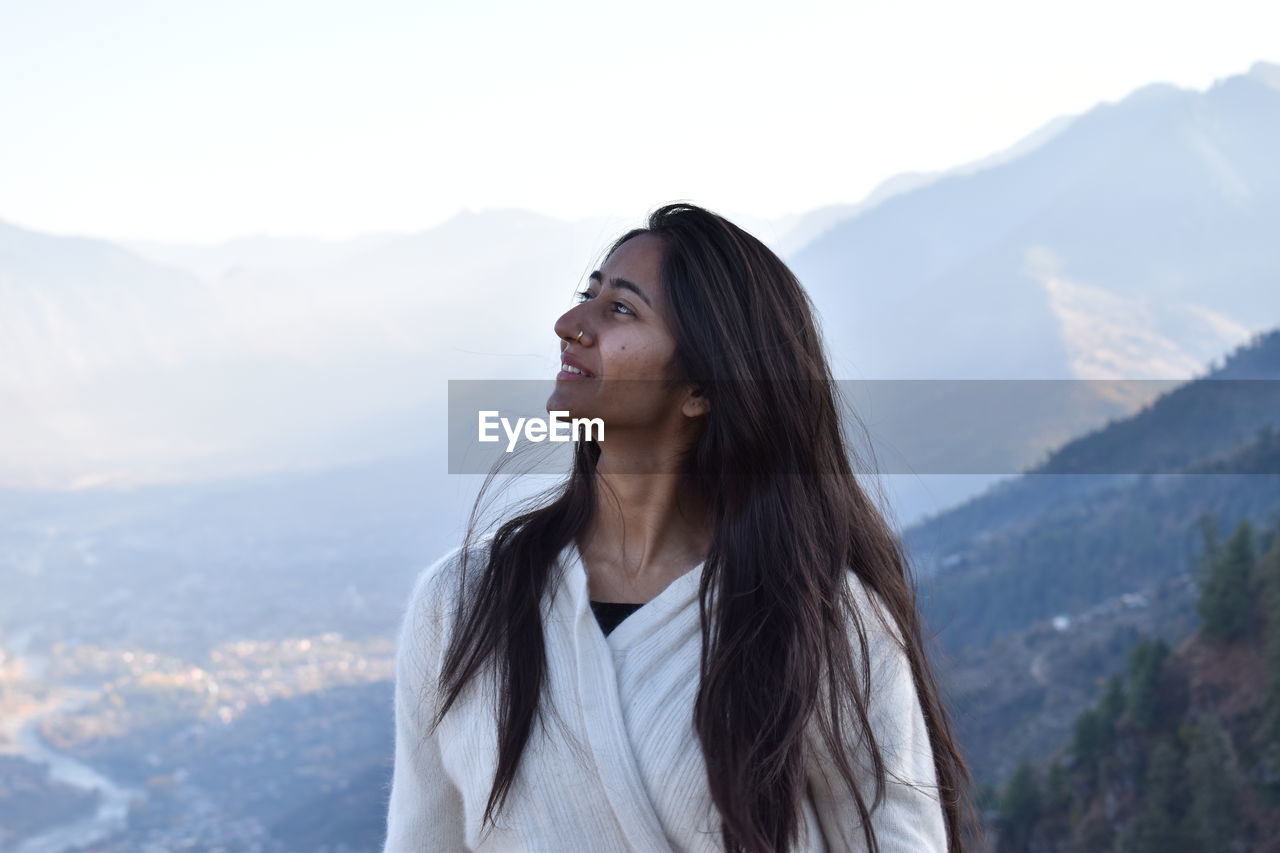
759, 694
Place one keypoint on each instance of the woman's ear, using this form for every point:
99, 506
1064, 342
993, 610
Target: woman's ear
696, 404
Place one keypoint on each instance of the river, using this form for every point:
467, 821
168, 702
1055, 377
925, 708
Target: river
113, 805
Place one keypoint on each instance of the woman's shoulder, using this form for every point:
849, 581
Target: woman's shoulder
877, 619
431, 577
434, 596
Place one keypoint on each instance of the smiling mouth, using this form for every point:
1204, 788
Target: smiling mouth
568, 371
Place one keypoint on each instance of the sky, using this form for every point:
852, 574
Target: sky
199, 122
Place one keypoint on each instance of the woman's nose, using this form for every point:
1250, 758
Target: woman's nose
570, 327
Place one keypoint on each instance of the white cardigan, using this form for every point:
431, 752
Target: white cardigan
638, 780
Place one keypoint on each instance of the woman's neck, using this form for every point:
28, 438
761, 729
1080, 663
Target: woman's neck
645, 529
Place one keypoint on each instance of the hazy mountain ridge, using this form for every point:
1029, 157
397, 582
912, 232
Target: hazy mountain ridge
1128, 200
75, 307
214, 261
1218, 413
120, 370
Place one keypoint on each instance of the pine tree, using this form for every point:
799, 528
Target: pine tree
1208, 527
1090, 738
1057, 790
1112, 704
1020, 806
1214, 817
1267, 737
1225, 604
1146, 665
1156, 829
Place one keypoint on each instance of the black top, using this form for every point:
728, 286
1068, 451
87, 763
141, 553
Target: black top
610, 613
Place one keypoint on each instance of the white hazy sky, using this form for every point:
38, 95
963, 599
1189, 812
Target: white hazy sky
201, 121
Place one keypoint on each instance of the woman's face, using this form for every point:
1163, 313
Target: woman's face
626, 350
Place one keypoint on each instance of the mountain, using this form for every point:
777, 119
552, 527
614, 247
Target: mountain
213, 261
1038, 587
1131, 241
1135, 242
803, 229
1180, 750
119, 370
72, 308
1198, 427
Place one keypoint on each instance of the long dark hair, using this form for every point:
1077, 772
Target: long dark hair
789, 521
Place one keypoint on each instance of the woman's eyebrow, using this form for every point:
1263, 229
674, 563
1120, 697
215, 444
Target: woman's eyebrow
624, 284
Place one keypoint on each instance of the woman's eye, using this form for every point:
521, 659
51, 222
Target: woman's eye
621, 308
586, 295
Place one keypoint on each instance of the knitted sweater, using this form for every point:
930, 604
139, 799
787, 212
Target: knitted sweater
616, 765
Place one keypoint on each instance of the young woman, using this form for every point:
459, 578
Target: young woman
766, 687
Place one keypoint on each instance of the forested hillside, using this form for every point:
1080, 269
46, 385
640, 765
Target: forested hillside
1087, 524
1181, 752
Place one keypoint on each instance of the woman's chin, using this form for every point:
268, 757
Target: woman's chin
560, 404
560, 401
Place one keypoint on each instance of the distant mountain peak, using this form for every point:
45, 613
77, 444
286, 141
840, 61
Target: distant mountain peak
1150, 94
1266, 72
